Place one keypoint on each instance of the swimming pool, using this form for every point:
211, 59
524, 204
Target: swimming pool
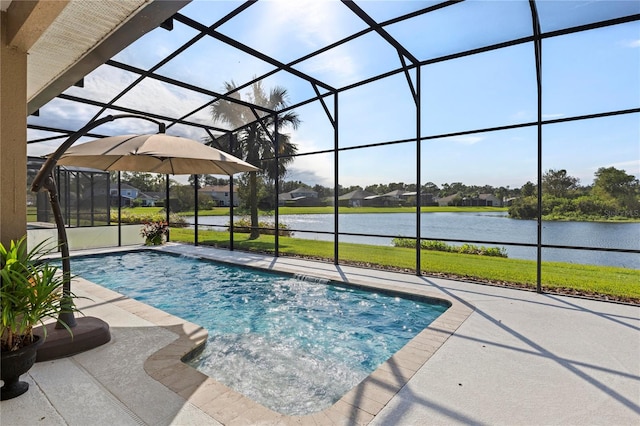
294, 346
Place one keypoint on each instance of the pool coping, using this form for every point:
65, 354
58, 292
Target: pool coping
360, 405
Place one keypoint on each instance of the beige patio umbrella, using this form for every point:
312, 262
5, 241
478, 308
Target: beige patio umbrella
153, 153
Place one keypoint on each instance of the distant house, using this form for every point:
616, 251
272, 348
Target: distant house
448, 200
390, 199
482, 200
355, 198
509, 201
300, 197
221, 195
490, 200
146, 200
303, 192
127, 191
398, 194
159, 197
130, 195
425, 199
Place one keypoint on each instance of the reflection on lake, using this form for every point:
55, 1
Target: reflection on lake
484, 226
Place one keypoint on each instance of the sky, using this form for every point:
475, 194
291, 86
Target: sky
584, 73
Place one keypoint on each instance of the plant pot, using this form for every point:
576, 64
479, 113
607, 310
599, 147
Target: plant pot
14, 364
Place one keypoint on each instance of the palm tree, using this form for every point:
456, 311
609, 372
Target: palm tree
255, 141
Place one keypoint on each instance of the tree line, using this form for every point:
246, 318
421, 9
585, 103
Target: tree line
614, 194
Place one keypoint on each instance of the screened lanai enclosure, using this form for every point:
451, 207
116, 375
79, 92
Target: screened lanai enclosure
390, 118
84, 197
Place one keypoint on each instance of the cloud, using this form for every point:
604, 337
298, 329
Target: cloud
339, 65
552, 116
42, 148
311, 169
104, 84
587, 174
522, 116
64, 114
466, 140
633, 43
631, 166
148, 96
313, 24
310, 177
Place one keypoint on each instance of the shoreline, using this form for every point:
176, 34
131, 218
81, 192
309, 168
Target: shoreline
288, 211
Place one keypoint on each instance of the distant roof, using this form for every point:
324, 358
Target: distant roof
449, 197
302, 189
218, 188
395, 193
157, 195
358, 194
124, 186
147, 196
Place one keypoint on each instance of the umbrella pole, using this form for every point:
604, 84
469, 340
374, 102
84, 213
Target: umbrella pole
87, 332
66, 315
67, 336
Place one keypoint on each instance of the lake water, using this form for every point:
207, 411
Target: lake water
481, 226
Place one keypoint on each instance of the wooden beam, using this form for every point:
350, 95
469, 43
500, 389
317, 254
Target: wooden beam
29, 19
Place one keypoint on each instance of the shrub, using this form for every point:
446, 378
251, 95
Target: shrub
243, 225
132, 218
442, 246
434, 245
154, 232
481, 250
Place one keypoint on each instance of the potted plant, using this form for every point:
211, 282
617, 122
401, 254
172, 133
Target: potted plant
154, 232
30, 292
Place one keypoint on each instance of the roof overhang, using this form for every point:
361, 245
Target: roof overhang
66, 40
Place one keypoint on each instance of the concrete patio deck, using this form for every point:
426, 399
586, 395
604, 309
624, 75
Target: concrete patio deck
502, 356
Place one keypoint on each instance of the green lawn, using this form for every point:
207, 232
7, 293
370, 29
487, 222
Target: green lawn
32, 214
620, 283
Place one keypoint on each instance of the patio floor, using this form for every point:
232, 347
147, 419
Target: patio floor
502, 356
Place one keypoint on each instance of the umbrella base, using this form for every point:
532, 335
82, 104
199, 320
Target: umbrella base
89, 333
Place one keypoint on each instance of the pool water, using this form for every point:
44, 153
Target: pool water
293, 345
